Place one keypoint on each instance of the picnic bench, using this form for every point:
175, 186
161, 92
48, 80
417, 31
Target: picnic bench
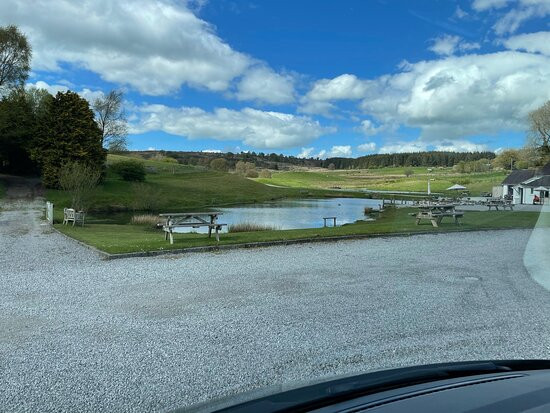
436, 213
191, 220
499, 203
70, 215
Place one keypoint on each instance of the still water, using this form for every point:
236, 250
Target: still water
295, 214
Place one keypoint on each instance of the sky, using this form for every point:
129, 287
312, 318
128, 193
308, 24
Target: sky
310, 78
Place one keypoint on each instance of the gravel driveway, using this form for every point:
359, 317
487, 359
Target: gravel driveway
152, 334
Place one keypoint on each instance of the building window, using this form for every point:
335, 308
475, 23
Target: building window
531, 191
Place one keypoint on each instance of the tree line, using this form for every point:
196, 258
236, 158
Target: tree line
280, 161
42, 133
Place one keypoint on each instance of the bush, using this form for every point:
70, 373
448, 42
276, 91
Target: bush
249, 227
408, 172
219, 164
129, 170
252, 173
78, 179
264, 173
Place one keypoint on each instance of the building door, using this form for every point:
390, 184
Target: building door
521, 195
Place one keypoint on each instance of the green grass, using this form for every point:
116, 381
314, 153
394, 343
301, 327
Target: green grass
175, 187
388, 179
132, 238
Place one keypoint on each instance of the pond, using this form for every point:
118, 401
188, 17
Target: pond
296, 213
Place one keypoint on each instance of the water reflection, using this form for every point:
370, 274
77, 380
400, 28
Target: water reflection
296, 214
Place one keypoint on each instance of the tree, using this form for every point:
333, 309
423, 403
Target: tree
506, 158
78, 179
539, 128
408, 172
111, 119
219, 164
66, 132
15, 57
17, 125
331, 167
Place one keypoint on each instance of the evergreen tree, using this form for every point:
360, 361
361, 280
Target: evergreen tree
67, 132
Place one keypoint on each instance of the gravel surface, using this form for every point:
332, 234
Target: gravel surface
152, 334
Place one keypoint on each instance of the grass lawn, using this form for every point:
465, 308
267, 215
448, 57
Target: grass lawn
132, 238
388, 179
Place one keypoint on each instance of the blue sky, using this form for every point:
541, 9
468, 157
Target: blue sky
309, 78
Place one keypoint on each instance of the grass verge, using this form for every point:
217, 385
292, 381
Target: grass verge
115, 239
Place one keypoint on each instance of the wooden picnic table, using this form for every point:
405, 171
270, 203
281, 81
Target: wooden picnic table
193, 220
500, 203
436, 212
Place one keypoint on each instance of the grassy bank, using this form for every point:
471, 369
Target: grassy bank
174, 187
388, 179
132, 238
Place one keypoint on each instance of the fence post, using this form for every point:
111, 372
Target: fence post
49, 212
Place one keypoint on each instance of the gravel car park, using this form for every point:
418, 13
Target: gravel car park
80, 333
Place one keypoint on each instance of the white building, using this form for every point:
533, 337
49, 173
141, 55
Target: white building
524, 184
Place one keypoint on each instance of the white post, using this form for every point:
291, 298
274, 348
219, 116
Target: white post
49, 212
429, 189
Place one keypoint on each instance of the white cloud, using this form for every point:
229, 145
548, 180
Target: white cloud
521, 11
52, 89
420, 145
260, 129
154, 46
448, 45
340, 151
211, 151
345, 86
305, 153
461, 146
368, 128
482, 5
454, 97
89, 95
367, 147
151, 148
264, 85
460, 13
403, 147
531, 42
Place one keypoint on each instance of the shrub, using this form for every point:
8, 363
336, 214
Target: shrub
249, 227
242, 167
252, 173
331, 167
129, 170
408, 172
368, 210
264, 173
219, 164
78, 179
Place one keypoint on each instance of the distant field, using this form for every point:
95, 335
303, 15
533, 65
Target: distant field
388, 179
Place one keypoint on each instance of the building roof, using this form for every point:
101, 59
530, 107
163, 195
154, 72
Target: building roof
517, 177
542, 181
